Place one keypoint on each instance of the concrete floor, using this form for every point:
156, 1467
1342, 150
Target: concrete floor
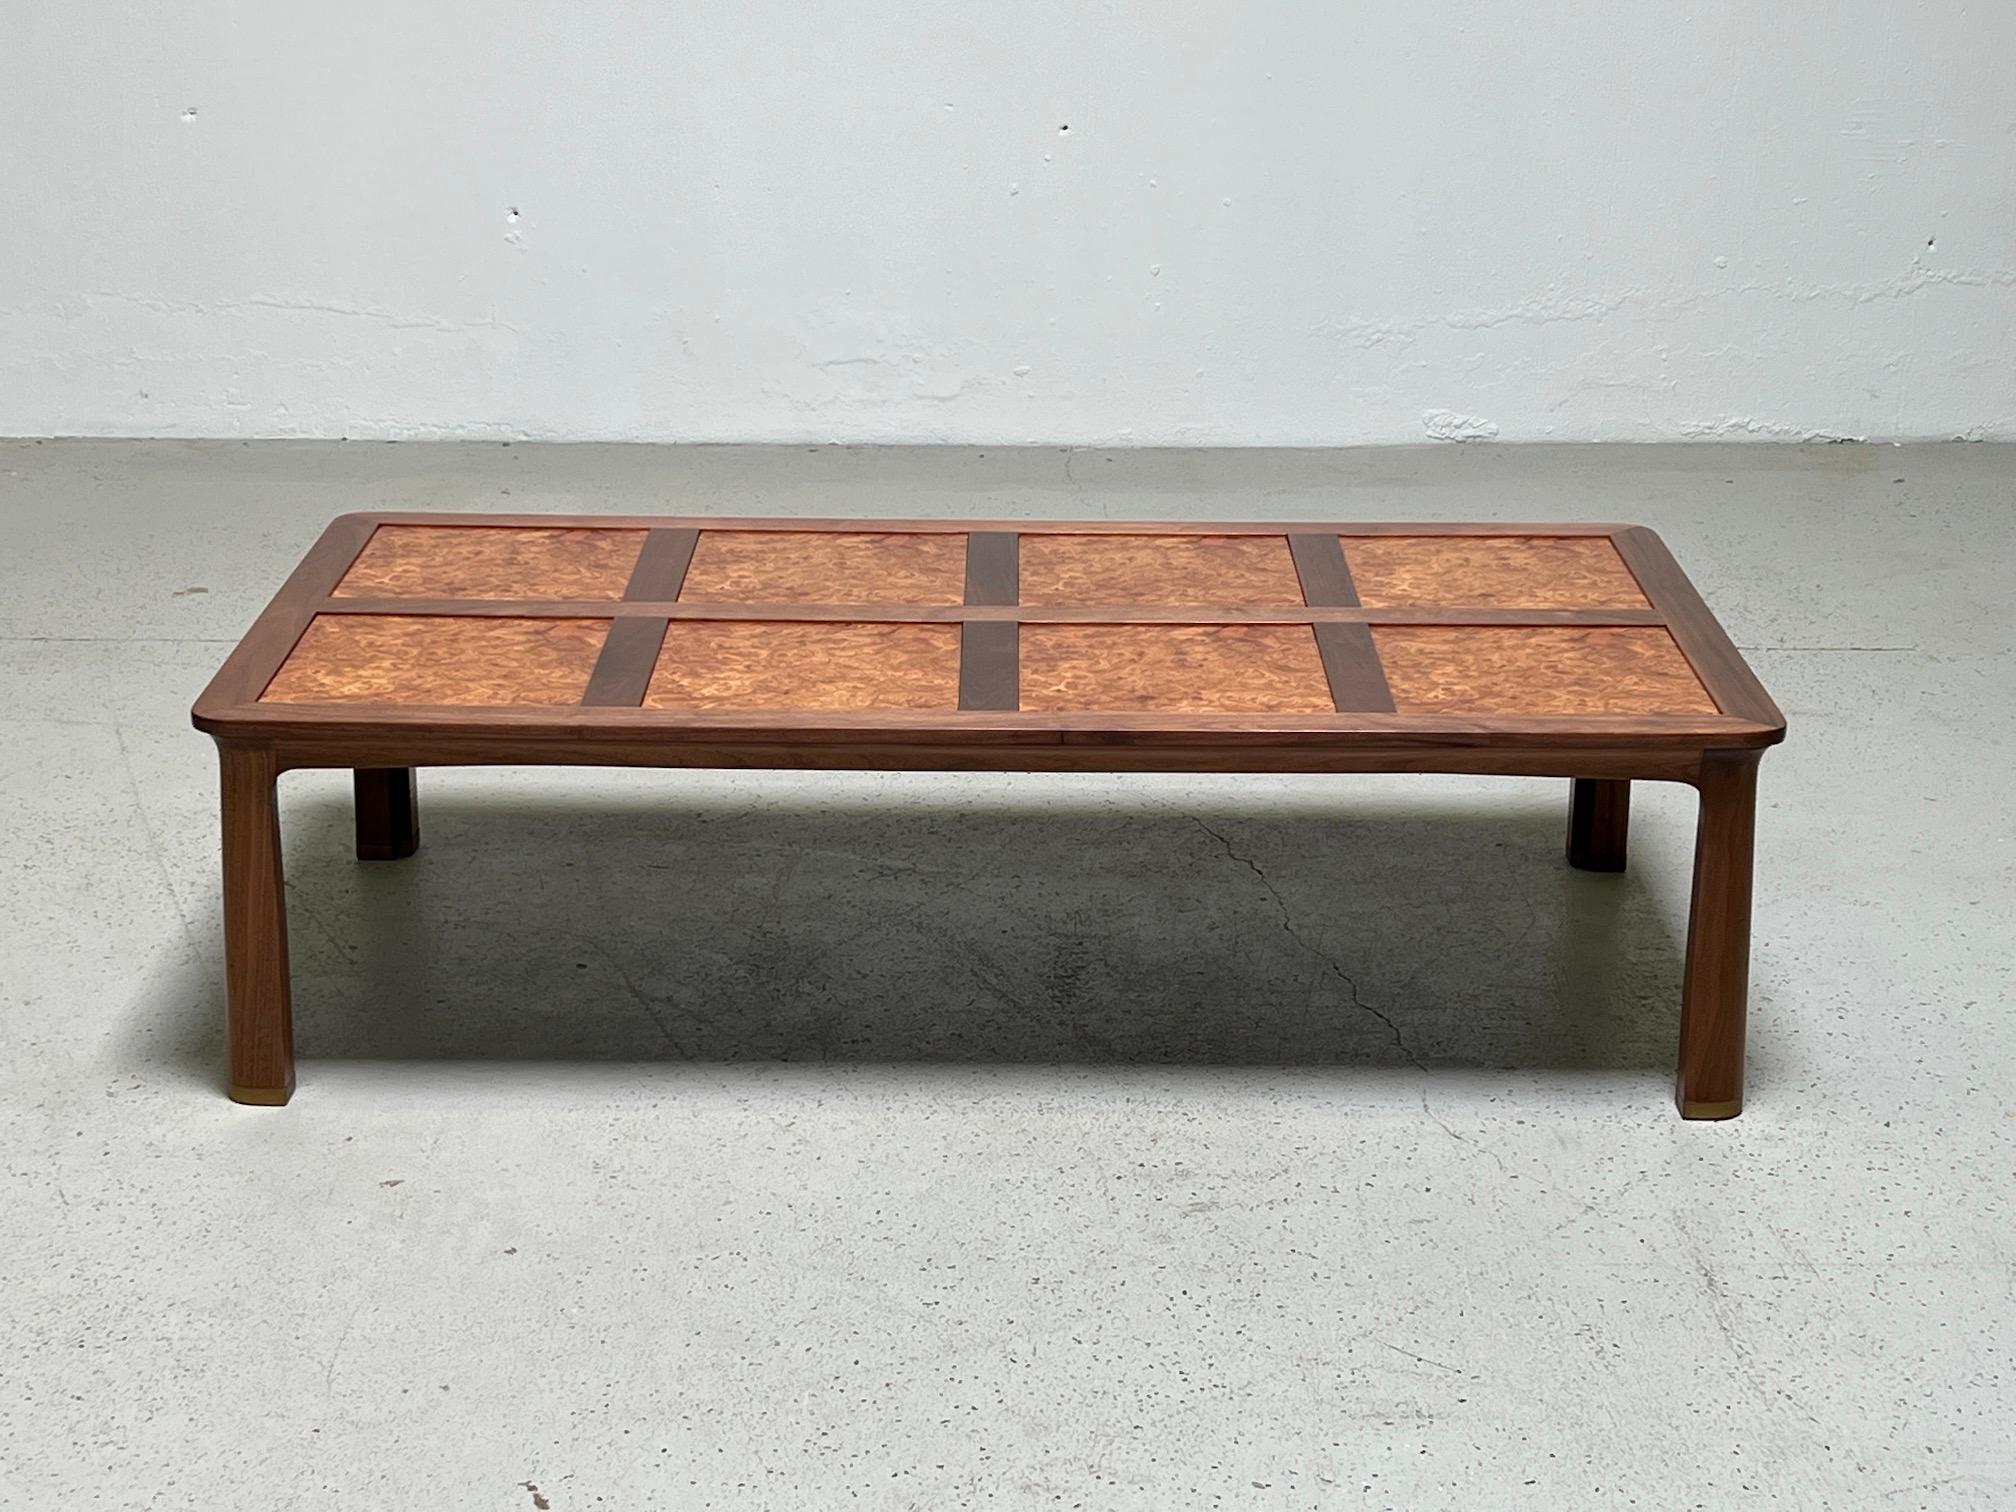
775, 1141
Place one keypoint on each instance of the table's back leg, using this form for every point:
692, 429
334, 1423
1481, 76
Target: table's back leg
1599, 816
388, 813
256, 983
1713, 999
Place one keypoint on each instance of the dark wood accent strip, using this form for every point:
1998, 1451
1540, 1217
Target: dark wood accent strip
670, 746
661, 566
1351, 662
1325, 575
935, 614
941, 526
251, 665
990, 665
623, 670
993, 567
1715, 659
1423, 732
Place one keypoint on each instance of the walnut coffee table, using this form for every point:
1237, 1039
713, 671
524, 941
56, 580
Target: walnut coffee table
406, 640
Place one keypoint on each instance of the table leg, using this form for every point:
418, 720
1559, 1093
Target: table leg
256, 985
1712, 999
1599, 815
388, 813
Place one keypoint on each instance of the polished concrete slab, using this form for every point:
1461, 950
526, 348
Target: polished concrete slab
752, 1140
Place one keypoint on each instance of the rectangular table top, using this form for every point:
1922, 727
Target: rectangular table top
1001, 634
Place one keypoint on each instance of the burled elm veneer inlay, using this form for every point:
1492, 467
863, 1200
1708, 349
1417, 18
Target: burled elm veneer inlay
1197, 669
1490, 572
825, 567
440, 660
1170, 571
1468, 669
751, 664
477, 562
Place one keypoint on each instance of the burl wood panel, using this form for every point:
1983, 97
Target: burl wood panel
753, 664
439, 659
1491, 572
477, 562
1199, 669
1554, 669
825, 567
1216, 572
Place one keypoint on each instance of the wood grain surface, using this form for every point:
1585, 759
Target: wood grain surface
816, 567
1225, 669
1550, 669
732, 664
1516, 572
411, 561
1062, 571
393, 659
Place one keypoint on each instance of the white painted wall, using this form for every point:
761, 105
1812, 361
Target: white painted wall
1300, 222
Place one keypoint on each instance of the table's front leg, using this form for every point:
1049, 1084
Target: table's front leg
1713, 1003
256, 983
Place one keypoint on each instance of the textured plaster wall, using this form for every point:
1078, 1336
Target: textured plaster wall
1295, 223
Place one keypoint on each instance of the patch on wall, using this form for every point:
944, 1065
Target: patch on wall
1447, 425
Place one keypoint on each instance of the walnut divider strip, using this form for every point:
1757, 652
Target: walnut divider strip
990, 665
1351, 663
661, 566
629, 656
1325, 575
993, 567
1350, 660
623, 670
990, 651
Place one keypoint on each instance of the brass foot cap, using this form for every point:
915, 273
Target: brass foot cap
261, 1097
1711, 1109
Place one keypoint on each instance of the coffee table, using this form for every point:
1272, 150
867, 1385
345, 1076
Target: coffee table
407, 640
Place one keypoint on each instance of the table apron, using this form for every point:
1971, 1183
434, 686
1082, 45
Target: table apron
1650, 765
